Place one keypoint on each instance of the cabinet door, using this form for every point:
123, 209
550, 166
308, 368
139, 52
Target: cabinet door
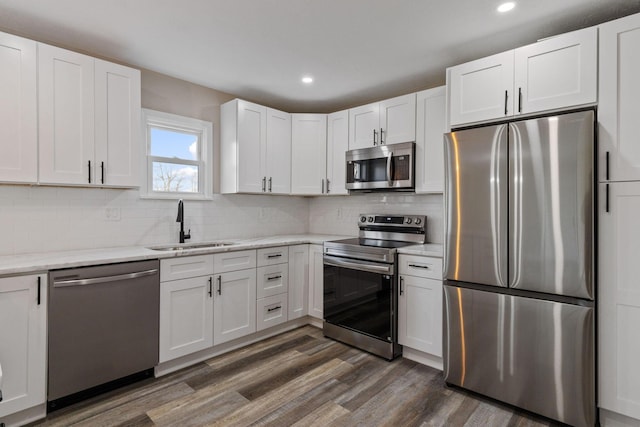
430, 127
618, 106
420, 314
278, 154
481, 90
398, 119
234, 308
337, 145
251, 149
619, 298
557, 72
364, 126
308, 153
117, 124
186, 316
66, 116
298, 281
18, 110
316, 281
23, 338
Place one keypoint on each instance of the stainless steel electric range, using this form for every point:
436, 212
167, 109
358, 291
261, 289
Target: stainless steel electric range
361, 282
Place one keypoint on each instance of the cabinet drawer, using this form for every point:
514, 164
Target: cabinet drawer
271, 311
273, 280
185, 267
420, 266
270, 256
232, 261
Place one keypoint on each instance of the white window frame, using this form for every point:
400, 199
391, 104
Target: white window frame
159, 119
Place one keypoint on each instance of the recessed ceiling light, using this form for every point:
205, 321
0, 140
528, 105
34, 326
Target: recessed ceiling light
307, 79
506, 7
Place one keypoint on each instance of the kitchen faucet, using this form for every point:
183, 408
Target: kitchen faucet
180, 219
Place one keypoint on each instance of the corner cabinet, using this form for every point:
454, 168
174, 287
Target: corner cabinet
554, 73
255, 149
308, 154
386, 122
18, 103
431, 124
89, 120
23, 334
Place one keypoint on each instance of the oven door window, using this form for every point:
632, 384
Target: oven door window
359, 300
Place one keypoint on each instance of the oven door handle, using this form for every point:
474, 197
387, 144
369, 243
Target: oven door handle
358, 265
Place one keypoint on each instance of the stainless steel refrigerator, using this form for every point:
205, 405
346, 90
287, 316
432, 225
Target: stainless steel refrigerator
519, 264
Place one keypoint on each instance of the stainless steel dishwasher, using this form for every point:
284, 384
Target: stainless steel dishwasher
103, 328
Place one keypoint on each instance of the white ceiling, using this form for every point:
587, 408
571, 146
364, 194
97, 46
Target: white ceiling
357, 50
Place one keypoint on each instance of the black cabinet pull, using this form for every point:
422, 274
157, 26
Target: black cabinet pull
264, 184
274, 278
39, 285
89, 170
269, 310
506, 97
519, 100
381, 138
401, 285
606, 170
375, 139
606, 200
426, 267
322, 191
274, 256
328, 185
211, 286
219, 285
270, 178
102, 172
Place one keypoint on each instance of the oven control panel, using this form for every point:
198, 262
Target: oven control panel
391, 220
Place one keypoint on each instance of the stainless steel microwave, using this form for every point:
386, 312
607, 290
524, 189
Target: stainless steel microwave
383, 167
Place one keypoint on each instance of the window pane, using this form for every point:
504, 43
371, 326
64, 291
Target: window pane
172, 177
174, 144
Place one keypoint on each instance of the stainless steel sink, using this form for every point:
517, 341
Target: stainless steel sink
188, 246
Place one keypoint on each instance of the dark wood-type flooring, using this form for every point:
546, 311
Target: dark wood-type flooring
299, 378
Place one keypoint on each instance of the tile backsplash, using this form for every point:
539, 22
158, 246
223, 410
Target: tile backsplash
42, 219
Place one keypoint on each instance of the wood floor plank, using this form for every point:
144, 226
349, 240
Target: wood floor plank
264, 405
323, 416
198, 411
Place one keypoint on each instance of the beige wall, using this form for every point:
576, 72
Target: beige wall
170, 95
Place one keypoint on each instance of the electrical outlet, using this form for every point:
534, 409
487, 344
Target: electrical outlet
112, 214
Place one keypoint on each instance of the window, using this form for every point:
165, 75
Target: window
178, 156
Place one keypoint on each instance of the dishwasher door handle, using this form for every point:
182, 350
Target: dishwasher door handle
105, 279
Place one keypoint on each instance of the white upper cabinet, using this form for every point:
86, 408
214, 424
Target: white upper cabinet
618, 107
387, 122
308, 153
66, 116
337, 145
554, 73
117, 124
18, 110
89, 120
481, 89
431, 124
255, 149
278, 154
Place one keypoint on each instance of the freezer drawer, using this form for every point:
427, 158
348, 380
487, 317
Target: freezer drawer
531, 353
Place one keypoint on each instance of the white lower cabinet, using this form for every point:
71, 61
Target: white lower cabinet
186, 316
23, 342
420, 304
234, 307
298, 281
316, 281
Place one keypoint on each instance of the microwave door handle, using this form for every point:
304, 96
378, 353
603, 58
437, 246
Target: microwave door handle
389, 156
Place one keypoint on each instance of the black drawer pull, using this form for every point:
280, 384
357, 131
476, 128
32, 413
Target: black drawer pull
274, 256
426, 267
274, 277
269, 310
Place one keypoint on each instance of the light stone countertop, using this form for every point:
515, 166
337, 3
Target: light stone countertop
42, 262
428, 249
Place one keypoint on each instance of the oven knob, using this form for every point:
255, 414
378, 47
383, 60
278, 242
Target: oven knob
363, 219
408, 220
370, 219
418, 221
